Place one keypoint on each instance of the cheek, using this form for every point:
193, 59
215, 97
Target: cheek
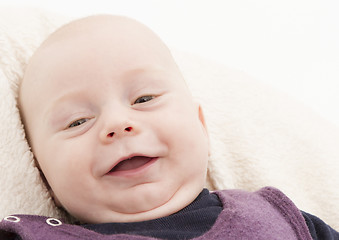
63, 163
67, 170
181, 129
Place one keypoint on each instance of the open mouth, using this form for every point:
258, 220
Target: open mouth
131, 164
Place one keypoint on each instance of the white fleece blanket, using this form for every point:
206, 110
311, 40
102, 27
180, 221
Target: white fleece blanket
258, 136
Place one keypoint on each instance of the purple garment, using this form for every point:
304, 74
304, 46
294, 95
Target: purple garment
265, 214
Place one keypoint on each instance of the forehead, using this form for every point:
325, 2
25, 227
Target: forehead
94, 42
94, 49
102, 37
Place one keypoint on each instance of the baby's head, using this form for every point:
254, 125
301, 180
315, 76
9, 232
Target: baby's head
112, 123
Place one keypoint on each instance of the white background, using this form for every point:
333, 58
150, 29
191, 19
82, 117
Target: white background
291, 44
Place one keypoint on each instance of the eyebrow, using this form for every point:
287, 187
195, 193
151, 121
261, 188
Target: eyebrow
142, 70
71, 94
58, 101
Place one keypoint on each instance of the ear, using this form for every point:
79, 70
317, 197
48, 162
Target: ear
203, 124
202, 117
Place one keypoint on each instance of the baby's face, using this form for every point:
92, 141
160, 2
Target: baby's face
112, 124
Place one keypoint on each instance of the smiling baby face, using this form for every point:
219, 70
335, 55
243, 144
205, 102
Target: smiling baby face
111, 122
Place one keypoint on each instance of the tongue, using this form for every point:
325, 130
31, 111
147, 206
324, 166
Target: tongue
132, 163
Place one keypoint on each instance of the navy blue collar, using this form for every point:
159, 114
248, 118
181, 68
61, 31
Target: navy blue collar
192, 221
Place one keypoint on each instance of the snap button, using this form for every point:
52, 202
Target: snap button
53, 222
12, 219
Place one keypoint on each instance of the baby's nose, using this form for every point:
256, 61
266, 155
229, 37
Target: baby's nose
127, 129
114, 131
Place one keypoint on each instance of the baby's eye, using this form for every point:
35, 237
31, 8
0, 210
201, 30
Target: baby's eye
78, 122
144, 99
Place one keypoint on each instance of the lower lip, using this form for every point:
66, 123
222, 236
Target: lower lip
135, 171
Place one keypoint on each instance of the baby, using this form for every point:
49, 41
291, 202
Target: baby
124, 148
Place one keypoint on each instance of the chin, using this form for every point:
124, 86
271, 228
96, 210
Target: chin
168, 202
155, 204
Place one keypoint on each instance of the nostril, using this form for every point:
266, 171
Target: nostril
128, 129
110, 134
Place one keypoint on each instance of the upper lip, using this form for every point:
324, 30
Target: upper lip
126, 158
